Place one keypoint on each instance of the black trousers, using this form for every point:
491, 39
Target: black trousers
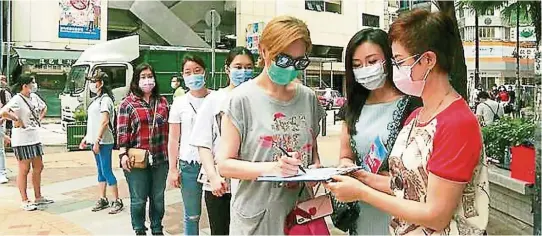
218, 209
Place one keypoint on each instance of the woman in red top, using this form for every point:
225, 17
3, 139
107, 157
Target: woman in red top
142, 123
438, 177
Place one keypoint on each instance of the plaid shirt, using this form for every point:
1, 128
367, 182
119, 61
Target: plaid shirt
135, 118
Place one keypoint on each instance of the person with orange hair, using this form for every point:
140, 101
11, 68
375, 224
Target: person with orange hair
263, 116
438, 176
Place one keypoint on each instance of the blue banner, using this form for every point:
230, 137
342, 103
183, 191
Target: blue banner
80, 19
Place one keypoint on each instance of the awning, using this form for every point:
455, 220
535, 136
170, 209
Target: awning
41, 56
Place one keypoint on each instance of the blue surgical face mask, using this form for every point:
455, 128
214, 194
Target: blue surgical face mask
239, 76
195, 81
282, 76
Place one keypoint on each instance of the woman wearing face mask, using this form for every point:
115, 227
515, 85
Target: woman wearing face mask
184, 173
25, 109
176, 86
264, 115
142, 124
239, 64
100, 137
375, 112
438, 181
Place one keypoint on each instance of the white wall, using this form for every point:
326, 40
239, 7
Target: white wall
35, 22
326, 28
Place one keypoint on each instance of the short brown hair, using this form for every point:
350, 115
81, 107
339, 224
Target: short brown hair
420, 31
280, 32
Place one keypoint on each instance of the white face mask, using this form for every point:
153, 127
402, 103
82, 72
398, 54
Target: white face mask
174, 85
92, 87
34, 88
371, 77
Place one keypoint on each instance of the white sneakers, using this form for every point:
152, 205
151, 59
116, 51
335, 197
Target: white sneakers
29, 206
3, 179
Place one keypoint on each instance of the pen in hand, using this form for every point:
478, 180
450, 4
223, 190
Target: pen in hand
288, 155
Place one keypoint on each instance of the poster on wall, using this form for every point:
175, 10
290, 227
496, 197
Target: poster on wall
253, 34
79, 19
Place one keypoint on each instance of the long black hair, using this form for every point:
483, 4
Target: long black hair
356, 94
134, 85
106, 84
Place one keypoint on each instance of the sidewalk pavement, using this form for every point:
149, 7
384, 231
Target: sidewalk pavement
69, 178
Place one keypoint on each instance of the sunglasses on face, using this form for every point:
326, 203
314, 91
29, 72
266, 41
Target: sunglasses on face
285, 61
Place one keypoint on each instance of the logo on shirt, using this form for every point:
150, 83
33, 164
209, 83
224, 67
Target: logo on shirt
377, 153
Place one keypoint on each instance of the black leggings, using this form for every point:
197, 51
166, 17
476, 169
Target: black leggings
218, 209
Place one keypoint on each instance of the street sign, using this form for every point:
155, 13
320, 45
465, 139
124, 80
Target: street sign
211, 16
209, 35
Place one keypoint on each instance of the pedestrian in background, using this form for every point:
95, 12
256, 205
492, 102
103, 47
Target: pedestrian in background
218, 190
27, 110
262, 116
99, 135
438, 181
142, 126
488, 111
5, 95
178, 90
184, 161
375, 112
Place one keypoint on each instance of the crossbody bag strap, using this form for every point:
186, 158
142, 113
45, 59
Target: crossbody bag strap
154, 118
31, 110
491, 109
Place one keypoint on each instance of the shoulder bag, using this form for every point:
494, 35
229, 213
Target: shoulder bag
307, 218
139, 157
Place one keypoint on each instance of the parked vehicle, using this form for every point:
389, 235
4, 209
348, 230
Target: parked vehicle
117, 58
330, 98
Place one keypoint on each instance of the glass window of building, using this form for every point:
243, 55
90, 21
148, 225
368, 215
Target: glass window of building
333, 6
370, 20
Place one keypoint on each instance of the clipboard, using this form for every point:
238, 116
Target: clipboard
312, 175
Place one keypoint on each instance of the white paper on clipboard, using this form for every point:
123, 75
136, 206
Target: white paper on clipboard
319, 174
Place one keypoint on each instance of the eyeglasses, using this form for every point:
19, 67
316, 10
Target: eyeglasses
398, 63
285, 61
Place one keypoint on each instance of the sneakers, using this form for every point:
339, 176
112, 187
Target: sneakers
29, 206
116, 206
100, 205
43, 201
3, 179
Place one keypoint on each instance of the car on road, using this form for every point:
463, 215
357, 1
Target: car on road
329, 98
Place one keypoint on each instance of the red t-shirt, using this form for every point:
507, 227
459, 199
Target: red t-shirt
503, 96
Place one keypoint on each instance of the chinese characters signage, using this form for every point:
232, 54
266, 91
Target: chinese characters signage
80, 19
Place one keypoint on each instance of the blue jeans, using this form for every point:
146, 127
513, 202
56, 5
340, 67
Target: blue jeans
147, 183
191, 191
103, 164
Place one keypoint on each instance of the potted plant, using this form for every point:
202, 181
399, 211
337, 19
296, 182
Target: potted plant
505, 134
75, 131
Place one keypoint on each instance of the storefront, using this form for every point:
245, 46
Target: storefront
50, 68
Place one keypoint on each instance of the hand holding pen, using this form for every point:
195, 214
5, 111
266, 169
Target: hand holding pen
294, 156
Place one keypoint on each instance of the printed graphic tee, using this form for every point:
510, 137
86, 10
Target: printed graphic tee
264, 124
450, 147
28, 110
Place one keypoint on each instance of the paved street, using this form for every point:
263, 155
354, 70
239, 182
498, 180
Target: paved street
70, 179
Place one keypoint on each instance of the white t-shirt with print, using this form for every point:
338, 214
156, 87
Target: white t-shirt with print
183, 111
23, 107
95, 115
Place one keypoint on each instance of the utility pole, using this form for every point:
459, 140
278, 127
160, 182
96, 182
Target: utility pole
8, 54
476, 50
1, 37
518, 79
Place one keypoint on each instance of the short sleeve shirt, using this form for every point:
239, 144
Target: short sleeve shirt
184, 111
28, 110
264, 124
95, 115
450, 147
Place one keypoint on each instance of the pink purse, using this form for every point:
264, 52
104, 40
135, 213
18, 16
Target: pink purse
307, 218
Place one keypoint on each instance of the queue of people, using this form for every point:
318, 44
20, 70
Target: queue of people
417, 141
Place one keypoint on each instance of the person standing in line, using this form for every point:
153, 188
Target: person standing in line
263, 116
178, 90
184, 162
100, 136
142, 124
26, 115
218, 190
488, 110
375, 112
